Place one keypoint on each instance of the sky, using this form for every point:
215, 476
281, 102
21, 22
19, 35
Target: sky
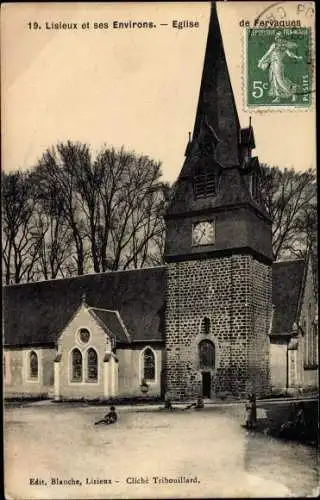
133, 87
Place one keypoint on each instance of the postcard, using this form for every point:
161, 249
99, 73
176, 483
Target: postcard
159, 250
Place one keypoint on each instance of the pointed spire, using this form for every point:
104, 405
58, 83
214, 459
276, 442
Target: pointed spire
188, 148
216, 106
247, 140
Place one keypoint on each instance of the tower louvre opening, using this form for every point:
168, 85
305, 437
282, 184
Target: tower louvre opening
205, 182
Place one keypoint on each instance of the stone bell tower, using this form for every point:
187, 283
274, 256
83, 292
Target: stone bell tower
218, 250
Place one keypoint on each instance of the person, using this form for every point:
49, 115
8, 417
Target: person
167, 405
295, 426
254, 410
251, 412
110, 418
197, 406
273, 59
300, 420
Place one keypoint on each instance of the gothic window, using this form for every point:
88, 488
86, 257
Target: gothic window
310, 339
33, 365
149, 364
92, 360
205, 326
205, 181
206, 354
315, 340
306, 343
76, 359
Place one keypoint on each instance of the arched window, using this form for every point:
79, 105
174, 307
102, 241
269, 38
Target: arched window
33, 365
306, 342
205, 326
206, 354
310, 336
92, 365
76, 365
149, 364
315, 339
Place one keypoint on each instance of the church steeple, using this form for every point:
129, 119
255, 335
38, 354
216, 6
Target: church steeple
219, 182
217, 121
218, 250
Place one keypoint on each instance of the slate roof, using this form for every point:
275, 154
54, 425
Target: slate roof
126, 302
36, 313
216, 103
287, 282
112, 320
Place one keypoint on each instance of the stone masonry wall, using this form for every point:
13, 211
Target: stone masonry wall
222, 290
258, 342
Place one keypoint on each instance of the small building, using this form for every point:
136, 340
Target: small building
294, 337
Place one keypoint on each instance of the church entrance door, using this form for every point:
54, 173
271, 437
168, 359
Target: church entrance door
206, 384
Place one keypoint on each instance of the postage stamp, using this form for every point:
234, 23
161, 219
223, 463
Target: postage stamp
278, 67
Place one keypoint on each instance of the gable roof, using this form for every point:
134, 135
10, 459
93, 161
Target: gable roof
287, 282
35, 313
112, 321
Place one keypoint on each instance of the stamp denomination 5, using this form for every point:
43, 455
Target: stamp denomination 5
278, 67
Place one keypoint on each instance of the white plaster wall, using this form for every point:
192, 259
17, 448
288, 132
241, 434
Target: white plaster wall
69, 340
278, 363
18, 382
131, 372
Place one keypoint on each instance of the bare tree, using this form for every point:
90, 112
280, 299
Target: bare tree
20, 238
291, 201
56, 249
131, 202
57, 169
111, 207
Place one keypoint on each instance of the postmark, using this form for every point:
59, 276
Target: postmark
278, 67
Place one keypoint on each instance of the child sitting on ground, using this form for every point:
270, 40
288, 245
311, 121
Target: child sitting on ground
109, 418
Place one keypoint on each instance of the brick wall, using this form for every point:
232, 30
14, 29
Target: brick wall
235, 294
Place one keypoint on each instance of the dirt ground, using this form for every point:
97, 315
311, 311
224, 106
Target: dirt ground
148, 454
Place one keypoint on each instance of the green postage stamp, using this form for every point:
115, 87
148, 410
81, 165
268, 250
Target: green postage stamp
278, 67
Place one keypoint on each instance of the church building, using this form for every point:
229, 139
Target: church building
219, 317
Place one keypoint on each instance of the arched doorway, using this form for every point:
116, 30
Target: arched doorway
207, 360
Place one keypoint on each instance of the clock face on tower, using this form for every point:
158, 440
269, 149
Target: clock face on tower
203, 233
